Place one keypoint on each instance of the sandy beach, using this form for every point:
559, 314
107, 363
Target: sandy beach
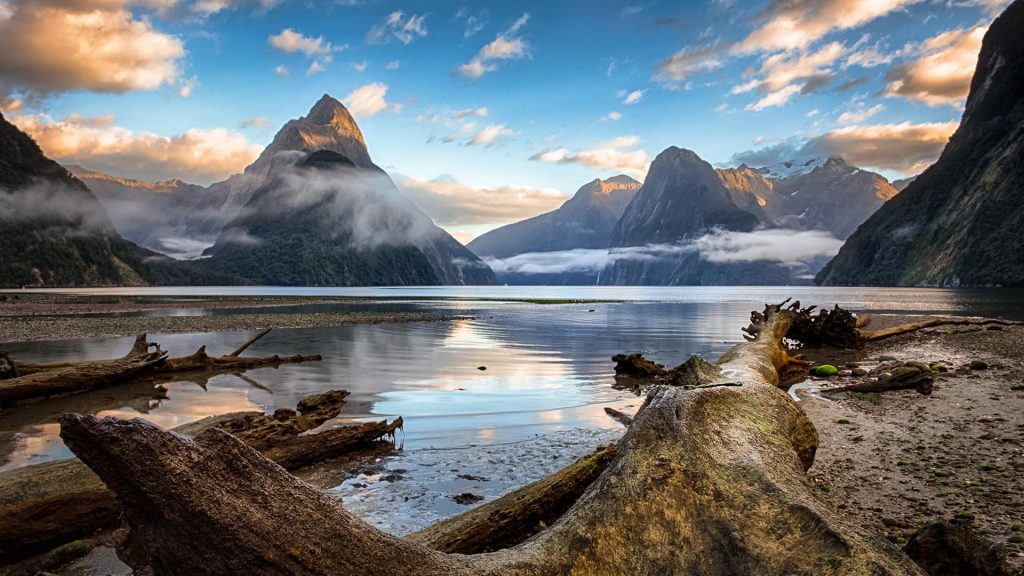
897, 460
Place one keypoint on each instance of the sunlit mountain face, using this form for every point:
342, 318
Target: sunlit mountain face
483, 115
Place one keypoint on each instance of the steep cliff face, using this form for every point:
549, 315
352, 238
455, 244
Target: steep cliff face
961, 222
821, 194
682, 199
55, 233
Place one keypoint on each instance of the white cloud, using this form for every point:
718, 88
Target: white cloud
257, 122
96, 45
481, 112
611, 155
613, 116
369, 100
491, 135
792, 248
198, 155
687, 62
360, 66
633, 97
281, 71
315, 68
399, 27
773, 99
290, 41
393, 65
860, 113
187, 86
942, 72
505, 46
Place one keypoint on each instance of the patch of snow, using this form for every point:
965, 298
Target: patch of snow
792, 168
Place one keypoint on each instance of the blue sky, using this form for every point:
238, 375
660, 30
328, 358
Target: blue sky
513, 103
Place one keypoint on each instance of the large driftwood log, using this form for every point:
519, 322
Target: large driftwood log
840, 328
42, 380
48, 504
82, 377
706, 481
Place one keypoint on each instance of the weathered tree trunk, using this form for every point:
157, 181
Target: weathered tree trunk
706, 481
44, 505
39, 380
82, 377
518, 515
909, 376
621, 417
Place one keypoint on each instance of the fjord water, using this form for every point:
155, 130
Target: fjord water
548, 370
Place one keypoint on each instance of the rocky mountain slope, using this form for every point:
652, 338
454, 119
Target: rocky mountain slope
161, 216
314, 210
682, 200
961, 222
55, 233
818, 194
585, 221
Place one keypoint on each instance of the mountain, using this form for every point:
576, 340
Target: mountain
161, 216
902, 183
817, 194
314, 210
961, 222
681, 201
55, 233
585, 221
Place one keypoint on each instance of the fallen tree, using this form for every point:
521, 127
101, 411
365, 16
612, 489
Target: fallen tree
45, 505
840, 328
708, 479
905, 376
145, 359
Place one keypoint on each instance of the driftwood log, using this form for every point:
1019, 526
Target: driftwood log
708, 480
840, 328
145, 359
49, 504
906, 376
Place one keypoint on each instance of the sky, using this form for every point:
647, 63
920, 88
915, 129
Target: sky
486, 113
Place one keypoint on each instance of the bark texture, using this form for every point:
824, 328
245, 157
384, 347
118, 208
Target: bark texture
708, 480
48, 504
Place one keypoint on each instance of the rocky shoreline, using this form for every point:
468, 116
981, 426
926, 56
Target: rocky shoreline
895, 461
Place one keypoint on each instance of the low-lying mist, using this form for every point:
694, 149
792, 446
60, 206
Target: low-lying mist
793, 248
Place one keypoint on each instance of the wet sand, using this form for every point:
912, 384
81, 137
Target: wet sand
32, 317
897, 460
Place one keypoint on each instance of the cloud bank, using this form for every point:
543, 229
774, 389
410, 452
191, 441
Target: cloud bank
792, 248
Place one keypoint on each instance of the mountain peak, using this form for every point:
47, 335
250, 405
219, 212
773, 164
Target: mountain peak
328, 126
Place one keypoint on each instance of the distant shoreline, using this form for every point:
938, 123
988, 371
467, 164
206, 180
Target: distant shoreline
37, 317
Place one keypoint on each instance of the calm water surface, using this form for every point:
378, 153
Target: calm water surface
548, 369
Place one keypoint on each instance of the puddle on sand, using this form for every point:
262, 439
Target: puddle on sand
414, 489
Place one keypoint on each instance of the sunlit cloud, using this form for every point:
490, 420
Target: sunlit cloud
198, 155
492, 135
942, 71
906, 148
369, 100
611, 155
96, 45
505, 47
453, 204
